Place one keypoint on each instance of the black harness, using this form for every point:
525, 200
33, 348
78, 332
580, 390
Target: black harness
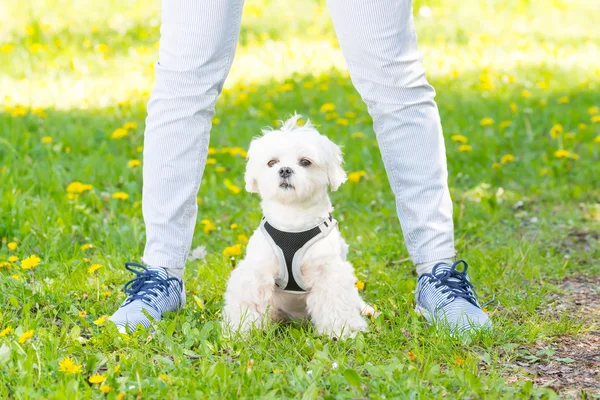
290, 247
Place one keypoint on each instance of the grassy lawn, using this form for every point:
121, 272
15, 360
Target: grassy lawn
519, 97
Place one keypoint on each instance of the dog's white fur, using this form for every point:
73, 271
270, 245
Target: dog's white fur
332, 301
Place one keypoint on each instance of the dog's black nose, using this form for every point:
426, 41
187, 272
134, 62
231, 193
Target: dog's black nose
285, 172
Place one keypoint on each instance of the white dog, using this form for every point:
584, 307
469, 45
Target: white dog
295, 265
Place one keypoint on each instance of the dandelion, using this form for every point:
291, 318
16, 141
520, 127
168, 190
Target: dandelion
97, 378
212, 151
86, 246
106, 294
526, 93
487, 121
342, 121
323, 87
119, 133
30, 262
26, 336
464, 148
82, 314
356, 176
129, 125
597, 139
47, 139
596, 118
120, 196
350, 114
4, 264
581, 126
495, 165
593, 110
327, 107
542, 85
216, 121
12, 246
134, 163
116, 368
242, 238
13, 259
78, 187
6, 48
232, 188
286, 87
121, 396
101, 47
513, 107
233, 251
233, 226
308, 85
68, 365
507, 158
208, 225
93, 268
505, 124
6, 331
459, 138
412, 356
100, 320
562, 153
105, 388
165, 378
564, 100
360, 285
556, 130
459, 360
211, 161
220, 169
16, 277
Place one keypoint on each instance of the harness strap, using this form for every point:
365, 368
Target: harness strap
290, 247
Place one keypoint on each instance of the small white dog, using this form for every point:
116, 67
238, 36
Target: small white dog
295, 265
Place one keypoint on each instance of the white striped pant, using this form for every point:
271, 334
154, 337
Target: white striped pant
377, 37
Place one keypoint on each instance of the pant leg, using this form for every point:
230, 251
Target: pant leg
379, 43
197, 45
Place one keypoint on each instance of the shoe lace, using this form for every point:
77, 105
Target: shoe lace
455, 282
146, 285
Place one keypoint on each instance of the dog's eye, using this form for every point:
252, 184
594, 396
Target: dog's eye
305, 162
272, 162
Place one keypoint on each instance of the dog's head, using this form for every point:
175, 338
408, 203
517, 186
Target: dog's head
293, 164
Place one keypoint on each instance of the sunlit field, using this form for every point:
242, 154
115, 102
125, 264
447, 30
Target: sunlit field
519, 96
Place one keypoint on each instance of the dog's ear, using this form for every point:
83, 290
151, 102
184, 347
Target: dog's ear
335, 172
251, 168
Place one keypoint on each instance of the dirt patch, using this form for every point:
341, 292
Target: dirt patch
569, 365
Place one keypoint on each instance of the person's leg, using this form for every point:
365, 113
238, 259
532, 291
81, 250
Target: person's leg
379, 43
197, 45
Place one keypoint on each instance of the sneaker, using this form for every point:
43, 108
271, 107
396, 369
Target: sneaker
445, 296
150, 294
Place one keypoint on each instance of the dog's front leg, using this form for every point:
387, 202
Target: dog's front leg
334, 304
247, 298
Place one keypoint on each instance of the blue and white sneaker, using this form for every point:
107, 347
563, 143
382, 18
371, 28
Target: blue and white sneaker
150, 294
447, 297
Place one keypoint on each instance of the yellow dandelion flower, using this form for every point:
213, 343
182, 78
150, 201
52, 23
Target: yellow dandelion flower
412, 356
86, 246
129, 125
495, 165
556, 130
513, 107
220, 169
119, 133
327, 107
211, 161
323, 87
139, 149
93, 268
360, 285
232, 251
581, 126
4, 264
12, 246
564, 100
100, 320
286, 87
26, 336
212, 151
542, 85
134, 163
101, 47
526, 93
593, 110
507, 158
82, 314
6, 331
105, 388
6, 48
233, 226
242, 238
78, 187
487, 121
459, 360
505, 124
165, 378
358, 135
97, 378
30, 262
342, 121
68, 365
47, 139
356, 176
350, 114
106, 294
308, 85
562, 153
232, 188
116, 368
597, 139
13, 259
459, 138
208, 225
216, 121
16, 277
121, 396
464, 148
120, 196
596, 118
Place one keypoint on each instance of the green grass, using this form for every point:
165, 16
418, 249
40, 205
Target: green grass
86, 91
